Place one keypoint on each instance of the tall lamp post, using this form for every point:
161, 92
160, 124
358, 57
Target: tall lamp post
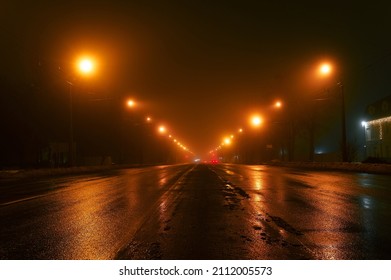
325, 69
364, 125
84, 66
256, 121
343, 125
70, 148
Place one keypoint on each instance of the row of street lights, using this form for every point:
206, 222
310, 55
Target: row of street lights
161, 129
257, 120
86, 66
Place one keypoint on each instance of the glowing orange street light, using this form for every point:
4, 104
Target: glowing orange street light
227, 141
162, 129
278, 104
86, 65
131, 103
256, 121
325, 69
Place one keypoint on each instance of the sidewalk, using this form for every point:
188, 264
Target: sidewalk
375, 168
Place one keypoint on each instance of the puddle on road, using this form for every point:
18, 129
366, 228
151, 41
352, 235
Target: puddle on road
233, 195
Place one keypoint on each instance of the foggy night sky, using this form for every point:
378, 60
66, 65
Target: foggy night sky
203, 66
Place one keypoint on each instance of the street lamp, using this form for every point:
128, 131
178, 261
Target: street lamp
278, 104
343, 126
131, 103
364, 125
256, 121
324, 70
84, 66
162, 129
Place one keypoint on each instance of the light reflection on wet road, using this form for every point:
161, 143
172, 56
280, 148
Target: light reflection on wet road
198, 212
331, 215
87, 217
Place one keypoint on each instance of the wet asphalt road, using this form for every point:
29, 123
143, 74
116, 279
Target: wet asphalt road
198, 212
